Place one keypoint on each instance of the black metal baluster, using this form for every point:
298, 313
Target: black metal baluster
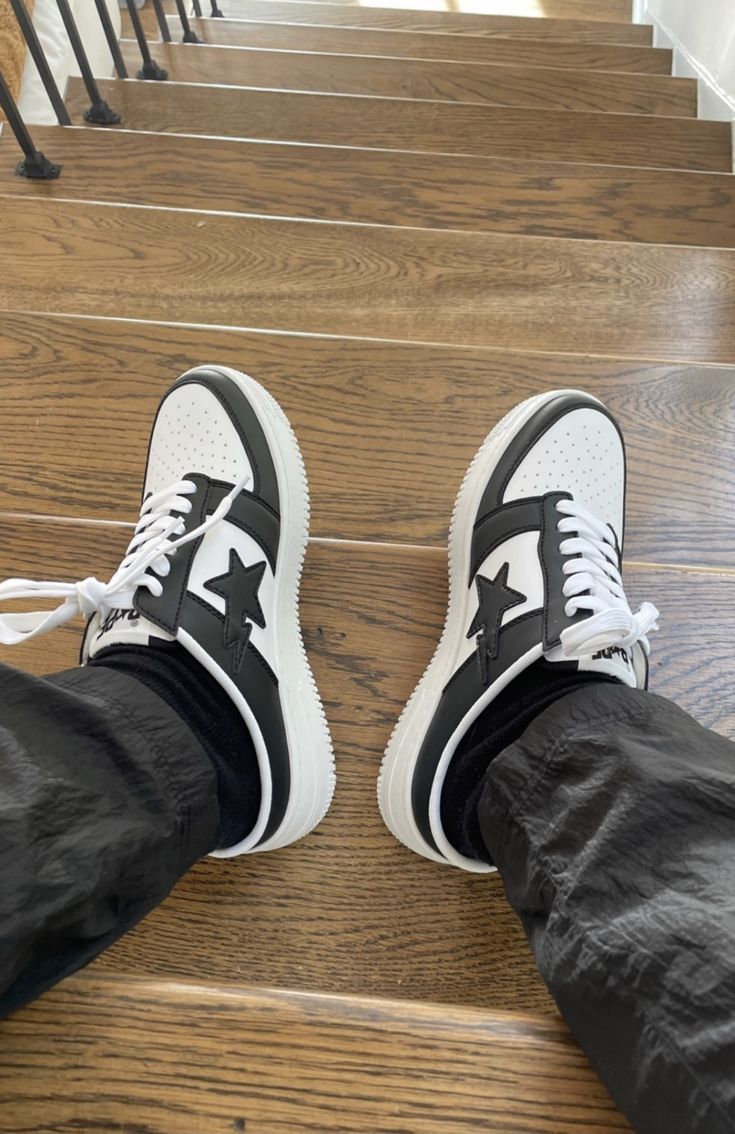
35, 164
162, 21
189, 36
99, 112
197, 8
216, 13
112, 41
150, 69
34, 46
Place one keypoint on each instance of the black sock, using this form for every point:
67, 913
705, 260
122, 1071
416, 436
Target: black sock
499, 725
179, 680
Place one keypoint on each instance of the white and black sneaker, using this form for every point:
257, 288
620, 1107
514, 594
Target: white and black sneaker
535, 550
215, 565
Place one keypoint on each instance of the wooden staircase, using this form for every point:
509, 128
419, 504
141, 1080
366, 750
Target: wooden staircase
471, 129
487, 24
402, 222
545, 88
570, 54
285, 1062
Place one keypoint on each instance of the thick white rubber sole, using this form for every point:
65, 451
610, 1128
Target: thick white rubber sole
401, 756
309, 743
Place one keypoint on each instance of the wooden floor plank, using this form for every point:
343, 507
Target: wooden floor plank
446, 127
539, 87
619, 11
427, 190
452, 23
468, 49
371, 615
471, 289
312, 1062
387, 430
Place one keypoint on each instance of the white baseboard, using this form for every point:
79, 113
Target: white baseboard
713, 101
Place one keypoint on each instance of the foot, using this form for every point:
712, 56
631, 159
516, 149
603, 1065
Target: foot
535, 552
215, 564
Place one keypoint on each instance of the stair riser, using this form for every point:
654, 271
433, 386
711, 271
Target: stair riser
439, 127
543, 88
618, 11
465, 49
424, 190
451, 23
368, 481
290, 1063
461, 288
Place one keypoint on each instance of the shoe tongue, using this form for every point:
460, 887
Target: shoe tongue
615, 661
121, 627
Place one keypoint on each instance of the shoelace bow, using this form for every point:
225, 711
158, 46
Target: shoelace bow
594, 584
157, 536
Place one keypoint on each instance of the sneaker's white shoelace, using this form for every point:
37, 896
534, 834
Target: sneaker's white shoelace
593, 584
158, 534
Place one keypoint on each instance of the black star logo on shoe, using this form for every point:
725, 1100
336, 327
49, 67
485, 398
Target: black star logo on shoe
495, 597
239, 588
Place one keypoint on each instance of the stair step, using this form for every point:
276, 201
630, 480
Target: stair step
426, 79
382, 432
298, 919
618, 10
450, 127
267, 1061
468, 49
427, 190
451, 23
473, 289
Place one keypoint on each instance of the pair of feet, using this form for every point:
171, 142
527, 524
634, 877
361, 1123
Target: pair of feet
215, 563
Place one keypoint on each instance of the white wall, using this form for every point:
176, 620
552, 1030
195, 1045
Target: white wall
702, 33
33, 101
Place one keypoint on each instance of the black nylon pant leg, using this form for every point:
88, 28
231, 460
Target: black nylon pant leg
106, 799
612, 821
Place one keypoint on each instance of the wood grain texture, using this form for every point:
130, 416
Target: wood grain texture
621, 11
298, 918
540, 87
451, 23
387, 429
471, 289
446, 127
467, 49
267, 1061
428, 190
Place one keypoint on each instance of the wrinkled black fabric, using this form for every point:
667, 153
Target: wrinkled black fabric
612, 820
106, 799
498, 726
198, 699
